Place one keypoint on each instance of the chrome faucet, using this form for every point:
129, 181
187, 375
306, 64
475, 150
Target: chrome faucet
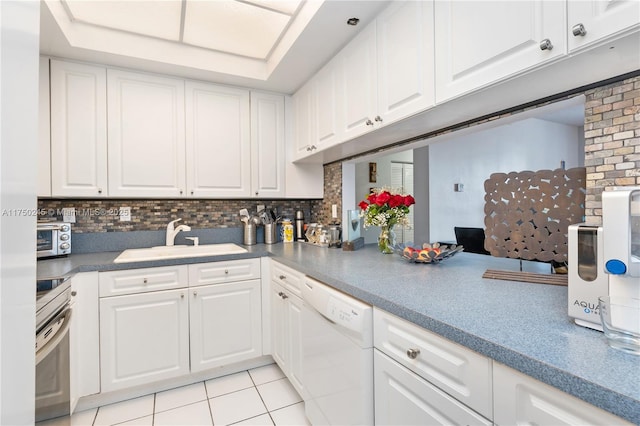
172, 231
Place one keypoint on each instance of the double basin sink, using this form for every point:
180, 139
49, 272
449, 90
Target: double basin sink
177, 252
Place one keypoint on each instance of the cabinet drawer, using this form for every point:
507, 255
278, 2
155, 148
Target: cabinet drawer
116, 283
288, 278
520, 399
223, 272
458, 371
404, 398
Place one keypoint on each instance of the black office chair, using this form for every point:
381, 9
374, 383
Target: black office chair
472, 239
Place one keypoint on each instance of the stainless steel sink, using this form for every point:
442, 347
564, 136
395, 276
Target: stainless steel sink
177, 252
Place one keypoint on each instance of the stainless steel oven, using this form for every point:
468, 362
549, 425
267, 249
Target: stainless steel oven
53, 239
53, 317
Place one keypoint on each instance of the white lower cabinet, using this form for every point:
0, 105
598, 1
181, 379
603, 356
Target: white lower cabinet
167, 322
226, 325
404, 398
458, 371
286, 321
143, 338
84, 337
520, 399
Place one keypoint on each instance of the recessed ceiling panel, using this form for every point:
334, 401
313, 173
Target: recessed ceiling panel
285, 6
150, 18
234, 27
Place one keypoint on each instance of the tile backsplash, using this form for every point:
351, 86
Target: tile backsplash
149, 215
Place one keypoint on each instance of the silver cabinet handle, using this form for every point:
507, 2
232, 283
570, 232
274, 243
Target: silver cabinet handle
195, 293
309, 149
546, 44
378, 119
413, 353
284, 296
578, 30
369, 122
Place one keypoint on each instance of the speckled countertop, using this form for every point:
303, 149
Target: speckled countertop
522, 325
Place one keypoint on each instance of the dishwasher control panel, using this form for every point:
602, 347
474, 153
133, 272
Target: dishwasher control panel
337, 307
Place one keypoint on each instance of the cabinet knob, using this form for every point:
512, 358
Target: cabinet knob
256, 192
145, 280
369, 123
283, 277
99, 190
378, 119
74, 293
182, 296
181, 192
226, 271
578, 30
546, 44
413, 353
192, 192
195, 293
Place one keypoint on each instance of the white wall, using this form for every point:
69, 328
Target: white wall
19, 34
530, 144
383, 179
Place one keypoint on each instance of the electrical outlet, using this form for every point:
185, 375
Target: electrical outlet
69, 214
260, 207
125, 214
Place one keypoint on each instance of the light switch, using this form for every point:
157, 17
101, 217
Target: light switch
458, 187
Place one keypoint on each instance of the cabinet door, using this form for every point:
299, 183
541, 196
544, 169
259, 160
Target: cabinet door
78, 130
226, 324
294, 330
600, 19
44, 131
520, 399
143, 338
478, 43
84, 337
303, 115
218, 141
403, 398
406, 83
359, 81
328, 111
146, 135
267, 145
279, 327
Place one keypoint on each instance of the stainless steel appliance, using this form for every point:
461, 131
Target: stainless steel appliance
53, 316
53, 239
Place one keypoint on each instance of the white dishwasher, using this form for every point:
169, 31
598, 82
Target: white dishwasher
337, 357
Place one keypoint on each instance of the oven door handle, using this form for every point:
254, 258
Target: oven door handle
60, 333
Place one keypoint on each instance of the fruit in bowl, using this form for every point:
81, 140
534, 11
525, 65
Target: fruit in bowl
428, 253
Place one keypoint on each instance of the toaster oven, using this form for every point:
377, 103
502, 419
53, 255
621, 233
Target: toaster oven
53, 239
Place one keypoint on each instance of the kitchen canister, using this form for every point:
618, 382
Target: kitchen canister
287, 231
270, 234
249, 234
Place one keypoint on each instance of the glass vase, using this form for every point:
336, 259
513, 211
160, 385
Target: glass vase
386, 240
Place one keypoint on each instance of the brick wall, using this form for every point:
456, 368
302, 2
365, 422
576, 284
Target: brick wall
612, 141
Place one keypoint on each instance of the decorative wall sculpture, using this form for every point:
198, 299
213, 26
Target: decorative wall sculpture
527, 214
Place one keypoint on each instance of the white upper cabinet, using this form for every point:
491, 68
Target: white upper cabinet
479, 43
267, 145
44, 132
359, 83
594, 20
328, 109
78, 130
303, 116
218, 141
146, 148
405, 60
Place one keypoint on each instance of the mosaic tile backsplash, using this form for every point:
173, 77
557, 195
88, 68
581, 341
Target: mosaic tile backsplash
151, 215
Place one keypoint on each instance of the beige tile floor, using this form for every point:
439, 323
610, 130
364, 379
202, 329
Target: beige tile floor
261, 396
